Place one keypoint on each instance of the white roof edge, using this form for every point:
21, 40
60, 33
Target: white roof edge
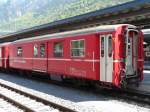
146, 31
6, 43
77, 32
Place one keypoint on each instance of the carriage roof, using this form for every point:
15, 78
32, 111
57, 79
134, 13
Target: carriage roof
104, 28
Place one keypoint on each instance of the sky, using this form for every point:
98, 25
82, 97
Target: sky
3, 1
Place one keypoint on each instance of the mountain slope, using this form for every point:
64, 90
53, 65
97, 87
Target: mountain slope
20, 14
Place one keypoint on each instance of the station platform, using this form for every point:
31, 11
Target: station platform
145, 84
147, 65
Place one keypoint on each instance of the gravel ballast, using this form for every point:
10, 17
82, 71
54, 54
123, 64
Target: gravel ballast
75, 99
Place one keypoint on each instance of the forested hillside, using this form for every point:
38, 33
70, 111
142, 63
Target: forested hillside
21, 14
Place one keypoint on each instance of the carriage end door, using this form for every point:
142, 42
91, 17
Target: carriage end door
106, 58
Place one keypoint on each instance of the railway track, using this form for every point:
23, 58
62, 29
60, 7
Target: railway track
130, 95
136, 95
29, 102
6, 106
139, 97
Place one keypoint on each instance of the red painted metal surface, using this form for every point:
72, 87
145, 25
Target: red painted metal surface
87, 67
4, 55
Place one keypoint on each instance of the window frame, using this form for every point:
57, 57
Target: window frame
102, 37
110, 36
34, 50
62, 49
21, 53
41, 45
84, 47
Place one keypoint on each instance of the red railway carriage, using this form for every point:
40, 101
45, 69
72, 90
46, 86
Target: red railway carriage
111, 54
4, 55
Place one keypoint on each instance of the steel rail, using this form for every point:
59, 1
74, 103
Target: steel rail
140, 97
16, 104
37, 98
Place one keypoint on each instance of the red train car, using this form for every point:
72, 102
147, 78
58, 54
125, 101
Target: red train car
110, 54
4, 55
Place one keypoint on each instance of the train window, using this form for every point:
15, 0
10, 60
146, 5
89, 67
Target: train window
58, 49
102, 46
35, 50
42, 50
129, 46
19, 51
77, 48
110, 46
